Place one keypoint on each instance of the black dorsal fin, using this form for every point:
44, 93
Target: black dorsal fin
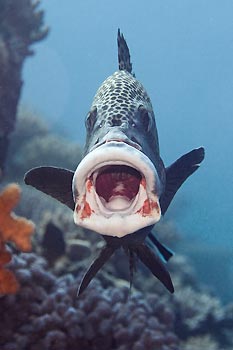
123, 53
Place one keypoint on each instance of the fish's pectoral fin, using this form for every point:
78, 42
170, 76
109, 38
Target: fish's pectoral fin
178, 172
155, 265
56, 182
165, 252
104, 256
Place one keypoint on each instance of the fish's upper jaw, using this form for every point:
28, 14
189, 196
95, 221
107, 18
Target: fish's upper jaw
116, 190
116, 135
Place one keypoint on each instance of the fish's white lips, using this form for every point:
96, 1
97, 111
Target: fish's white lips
113, 152
91, 213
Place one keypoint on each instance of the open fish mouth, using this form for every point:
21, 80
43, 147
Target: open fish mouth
116, 190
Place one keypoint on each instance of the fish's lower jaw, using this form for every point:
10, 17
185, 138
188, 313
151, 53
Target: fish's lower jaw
116, 190
118, 223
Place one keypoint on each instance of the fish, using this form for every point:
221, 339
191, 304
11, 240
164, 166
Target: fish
121, 187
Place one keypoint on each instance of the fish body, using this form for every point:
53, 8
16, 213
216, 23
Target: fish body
121, 187
120, 193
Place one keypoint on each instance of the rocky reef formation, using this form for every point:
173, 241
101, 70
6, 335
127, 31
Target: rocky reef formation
32, 144
21, 25
106, 316
45, 315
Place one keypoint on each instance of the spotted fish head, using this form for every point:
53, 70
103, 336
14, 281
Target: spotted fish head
122, 110
118, 183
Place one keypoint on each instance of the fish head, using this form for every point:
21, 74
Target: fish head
122, 110
118, 183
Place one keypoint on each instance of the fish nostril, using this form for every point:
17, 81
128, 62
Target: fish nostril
116, 122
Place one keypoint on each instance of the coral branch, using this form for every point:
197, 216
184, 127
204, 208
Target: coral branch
13, 229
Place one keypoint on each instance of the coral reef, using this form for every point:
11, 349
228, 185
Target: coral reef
38, 304
200, 314
45, 315
12, 229
21, 26
202, 342
104, 317
8, 282
33, 145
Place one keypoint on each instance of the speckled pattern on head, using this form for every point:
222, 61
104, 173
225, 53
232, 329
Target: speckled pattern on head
118, 98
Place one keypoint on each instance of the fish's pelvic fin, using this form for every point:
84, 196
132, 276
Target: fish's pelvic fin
123, 53
56, 182
178, 172
97, 264
132, 268
165, 252
155, 265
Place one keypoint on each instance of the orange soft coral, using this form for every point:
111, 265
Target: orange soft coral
12, 229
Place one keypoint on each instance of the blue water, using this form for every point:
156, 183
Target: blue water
182, 51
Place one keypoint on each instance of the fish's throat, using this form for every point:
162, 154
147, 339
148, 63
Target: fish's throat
117, 186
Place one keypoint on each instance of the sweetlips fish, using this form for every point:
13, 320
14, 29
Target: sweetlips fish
121, 187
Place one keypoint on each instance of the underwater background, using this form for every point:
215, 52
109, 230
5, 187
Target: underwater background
182, 52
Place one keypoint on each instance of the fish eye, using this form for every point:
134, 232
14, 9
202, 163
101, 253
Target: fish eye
145, 118
91, 119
